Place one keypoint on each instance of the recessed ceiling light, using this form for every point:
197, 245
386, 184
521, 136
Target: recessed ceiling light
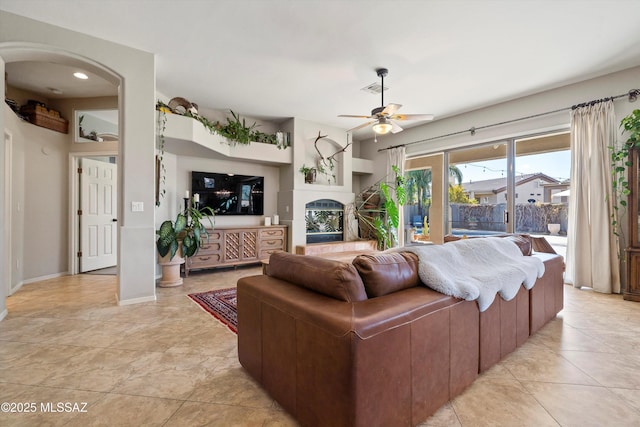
80, 75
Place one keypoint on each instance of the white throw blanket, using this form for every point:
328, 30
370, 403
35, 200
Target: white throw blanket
476, 269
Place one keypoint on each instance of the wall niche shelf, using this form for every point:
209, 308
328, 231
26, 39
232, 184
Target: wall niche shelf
186, 136
361, 166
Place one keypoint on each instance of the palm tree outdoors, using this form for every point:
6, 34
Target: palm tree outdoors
418, 185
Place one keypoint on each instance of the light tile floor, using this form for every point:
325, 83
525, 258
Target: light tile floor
168, 363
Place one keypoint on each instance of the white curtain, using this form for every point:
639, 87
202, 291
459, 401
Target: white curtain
396, 157
592, 256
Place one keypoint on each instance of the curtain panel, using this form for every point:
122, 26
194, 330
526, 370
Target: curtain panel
396, 157
592, 247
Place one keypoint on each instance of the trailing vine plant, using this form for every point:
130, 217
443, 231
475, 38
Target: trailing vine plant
620, 161
161, 125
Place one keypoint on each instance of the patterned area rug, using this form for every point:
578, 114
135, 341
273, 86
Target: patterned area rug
221, 303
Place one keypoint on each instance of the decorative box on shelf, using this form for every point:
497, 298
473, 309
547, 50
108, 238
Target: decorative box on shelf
41, 116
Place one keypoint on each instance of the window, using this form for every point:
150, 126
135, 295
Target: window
509, 168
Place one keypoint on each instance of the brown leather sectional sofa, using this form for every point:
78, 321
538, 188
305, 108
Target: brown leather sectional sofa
366, 344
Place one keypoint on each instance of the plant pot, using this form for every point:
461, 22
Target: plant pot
170, 271
554, 229
371, 200
310, 177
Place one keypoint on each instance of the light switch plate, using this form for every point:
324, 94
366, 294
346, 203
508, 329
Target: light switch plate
137, 206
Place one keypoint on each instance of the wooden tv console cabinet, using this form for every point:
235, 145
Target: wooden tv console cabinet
231, 246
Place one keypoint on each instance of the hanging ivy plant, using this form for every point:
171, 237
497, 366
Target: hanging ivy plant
620, 161
161, 125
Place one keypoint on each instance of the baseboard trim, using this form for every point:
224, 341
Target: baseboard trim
15, 288
47, 277
135, 300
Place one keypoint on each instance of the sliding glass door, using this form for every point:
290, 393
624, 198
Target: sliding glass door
477, 189
425, 197
517, 185
543, 169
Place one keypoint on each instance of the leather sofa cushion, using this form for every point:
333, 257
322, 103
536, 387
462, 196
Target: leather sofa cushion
335, 279
523, 241
386, 273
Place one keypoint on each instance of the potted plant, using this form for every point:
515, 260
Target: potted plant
620, 161
381, 221
180, 239
309, 174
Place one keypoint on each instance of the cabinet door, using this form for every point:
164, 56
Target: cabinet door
249, 245
634, 199
632, 290
240, 245
232, 245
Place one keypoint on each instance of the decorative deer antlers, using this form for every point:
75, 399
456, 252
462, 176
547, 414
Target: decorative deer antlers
325, 163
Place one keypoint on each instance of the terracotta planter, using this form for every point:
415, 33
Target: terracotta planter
171, 270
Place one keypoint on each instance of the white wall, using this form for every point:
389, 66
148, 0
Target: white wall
271, 174
67, 108
40, 200
26, 39
292, 202
4, 225
40, 168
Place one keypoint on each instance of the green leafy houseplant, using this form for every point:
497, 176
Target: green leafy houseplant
236, 130
620, 162
382, 219
309, 174
187, 229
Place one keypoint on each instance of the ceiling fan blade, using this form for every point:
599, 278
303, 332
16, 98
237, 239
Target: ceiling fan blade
412, 117
390, 109
355, 117
395, 128
360, 126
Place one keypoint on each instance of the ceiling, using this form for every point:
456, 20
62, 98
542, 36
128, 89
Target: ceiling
275, 59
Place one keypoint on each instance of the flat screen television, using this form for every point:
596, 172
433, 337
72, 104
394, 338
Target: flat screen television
229, 194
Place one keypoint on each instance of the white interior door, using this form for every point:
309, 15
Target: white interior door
98, 220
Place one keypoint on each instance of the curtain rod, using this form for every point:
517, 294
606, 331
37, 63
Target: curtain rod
632, 95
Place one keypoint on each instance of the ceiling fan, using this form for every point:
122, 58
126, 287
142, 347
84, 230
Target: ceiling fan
385, 116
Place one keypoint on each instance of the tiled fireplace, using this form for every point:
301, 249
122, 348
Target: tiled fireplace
324, 221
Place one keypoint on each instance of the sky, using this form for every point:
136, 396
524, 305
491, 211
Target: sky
557, 165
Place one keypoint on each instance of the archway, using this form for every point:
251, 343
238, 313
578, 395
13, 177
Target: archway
17, 52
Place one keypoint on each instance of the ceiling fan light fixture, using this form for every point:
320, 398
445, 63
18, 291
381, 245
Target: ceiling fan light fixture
384, 117
382, 127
